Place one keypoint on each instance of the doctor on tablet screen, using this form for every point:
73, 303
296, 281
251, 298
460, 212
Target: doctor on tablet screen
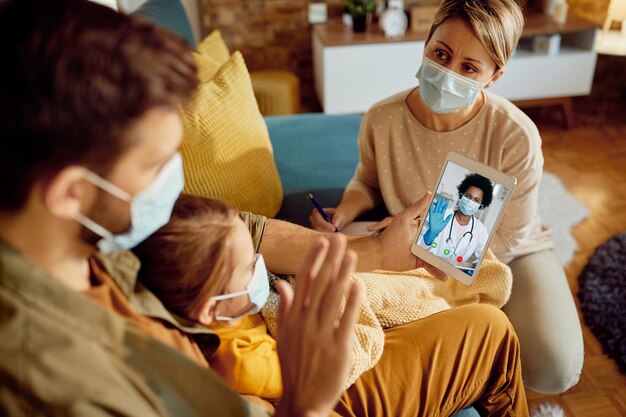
454, 233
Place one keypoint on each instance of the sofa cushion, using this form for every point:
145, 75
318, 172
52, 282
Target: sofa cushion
226, 149
210, 55
207, 66
215, 47
314, 151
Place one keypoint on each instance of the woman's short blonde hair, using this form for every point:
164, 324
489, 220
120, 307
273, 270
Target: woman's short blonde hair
498, 24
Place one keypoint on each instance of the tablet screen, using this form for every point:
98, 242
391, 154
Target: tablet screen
463, 213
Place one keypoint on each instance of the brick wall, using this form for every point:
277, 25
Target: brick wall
271, 34
275, 34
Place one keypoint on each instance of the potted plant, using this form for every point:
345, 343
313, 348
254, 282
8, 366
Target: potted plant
359, 10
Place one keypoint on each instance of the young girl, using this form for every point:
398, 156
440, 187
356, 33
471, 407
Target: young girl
202, 265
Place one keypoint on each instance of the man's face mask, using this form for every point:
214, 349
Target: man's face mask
258, 290
443, 90
150, 209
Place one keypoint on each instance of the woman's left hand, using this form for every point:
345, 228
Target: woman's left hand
396, 239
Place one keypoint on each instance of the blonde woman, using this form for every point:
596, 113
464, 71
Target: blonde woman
403, 142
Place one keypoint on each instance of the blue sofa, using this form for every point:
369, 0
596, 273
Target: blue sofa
314, 153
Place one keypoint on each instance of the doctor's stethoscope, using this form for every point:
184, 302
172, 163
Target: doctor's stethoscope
470, 233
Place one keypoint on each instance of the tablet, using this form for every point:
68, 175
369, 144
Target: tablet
463, 215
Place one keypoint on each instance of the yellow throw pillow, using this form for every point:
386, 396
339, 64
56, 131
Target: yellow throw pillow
207, 66
226, 149
210, 55
214, 46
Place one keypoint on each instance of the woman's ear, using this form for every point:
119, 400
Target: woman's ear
65, 193
496, 76
206, 314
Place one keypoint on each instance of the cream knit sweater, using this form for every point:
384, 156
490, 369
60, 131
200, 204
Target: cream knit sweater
390, 299
400, 159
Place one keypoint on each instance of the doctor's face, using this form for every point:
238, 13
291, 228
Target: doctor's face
475, 194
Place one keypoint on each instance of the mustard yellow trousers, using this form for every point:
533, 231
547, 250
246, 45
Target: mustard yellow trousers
438, 365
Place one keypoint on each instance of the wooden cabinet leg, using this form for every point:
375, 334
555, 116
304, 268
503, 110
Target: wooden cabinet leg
568, 112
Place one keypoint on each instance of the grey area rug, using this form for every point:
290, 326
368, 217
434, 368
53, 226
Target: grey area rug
559, 210
602, 297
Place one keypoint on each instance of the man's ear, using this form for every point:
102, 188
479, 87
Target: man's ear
66, 192
206, 314
499, 73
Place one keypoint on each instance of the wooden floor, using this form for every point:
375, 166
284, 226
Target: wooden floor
591, 161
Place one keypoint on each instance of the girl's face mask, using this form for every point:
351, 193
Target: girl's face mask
258, 290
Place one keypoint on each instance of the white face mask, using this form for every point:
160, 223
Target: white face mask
443, 90
258, 290
468, 207
150, 209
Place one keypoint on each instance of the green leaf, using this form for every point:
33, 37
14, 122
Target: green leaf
359, 7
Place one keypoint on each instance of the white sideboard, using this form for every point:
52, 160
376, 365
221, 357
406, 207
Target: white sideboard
353, 71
